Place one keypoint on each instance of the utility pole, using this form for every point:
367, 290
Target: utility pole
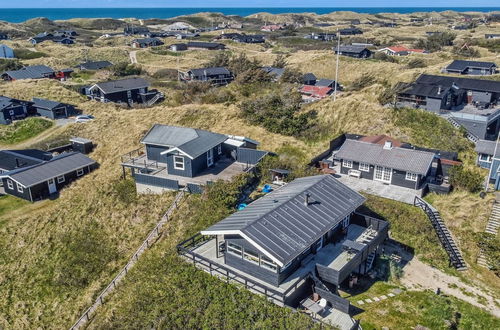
491, 166
337, 67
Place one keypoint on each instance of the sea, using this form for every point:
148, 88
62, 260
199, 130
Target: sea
20, 15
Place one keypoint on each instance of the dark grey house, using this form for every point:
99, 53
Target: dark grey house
492, 36
275, 73
15, 159
53, 109
94, 65
181, 156
40, 180
217, 75
471, 103
132, 30
304, 237
249, 38
309, 79
327, 83
4, 36
350, 31
471, 68
178, 47
385, 163
128, 91
205, 45
12, 109
353, 51
30, 72
146, 42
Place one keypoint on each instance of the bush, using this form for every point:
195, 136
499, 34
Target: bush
436, 41
26, 54
125, 191
278, 113
291, 76
466, 179
384, 57
416, 63
490, 245
466, 51
168, 74
23, 129
125, 69
362, 82
280, 61
8, 65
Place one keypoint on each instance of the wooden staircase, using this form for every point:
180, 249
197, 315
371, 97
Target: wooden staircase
471, 137
443, 233
491, 228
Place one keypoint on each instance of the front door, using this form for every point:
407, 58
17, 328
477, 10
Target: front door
210, 157
52, 186
319, 244
383, 174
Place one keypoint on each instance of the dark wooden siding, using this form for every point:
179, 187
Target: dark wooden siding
153, 153
187, 172
156, 181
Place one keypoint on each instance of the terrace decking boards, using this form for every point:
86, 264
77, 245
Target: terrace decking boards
443, 233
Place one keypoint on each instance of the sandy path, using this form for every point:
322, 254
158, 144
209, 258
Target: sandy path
418, 276
133, 57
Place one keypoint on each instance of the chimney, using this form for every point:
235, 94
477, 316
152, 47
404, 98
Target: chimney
18, 164
469, 97
440, 89
306, 199
388, 145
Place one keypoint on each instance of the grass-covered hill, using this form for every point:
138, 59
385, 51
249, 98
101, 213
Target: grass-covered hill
56, 256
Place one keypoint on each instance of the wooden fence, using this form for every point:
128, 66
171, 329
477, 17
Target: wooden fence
148, 242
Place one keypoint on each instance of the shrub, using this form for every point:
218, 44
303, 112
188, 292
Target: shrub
168, 74
490, 245
466, 51
363, 82
466, 179
125, 191
278, 113
8, 65
280, 61
416, 63
126, 69
384, 57
436, 41
26, 54
291, 76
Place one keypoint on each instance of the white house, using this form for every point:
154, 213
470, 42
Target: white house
6, 51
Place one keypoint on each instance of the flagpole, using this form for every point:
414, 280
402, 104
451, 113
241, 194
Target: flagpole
337, 67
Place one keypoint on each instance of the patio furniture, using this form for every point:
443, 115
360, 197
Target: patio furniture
354, 173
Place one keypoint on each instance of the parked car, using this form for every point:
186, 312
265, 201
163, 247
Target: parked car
84, 118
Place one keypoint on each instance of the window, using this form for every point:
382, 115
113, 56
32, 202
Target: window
251, 256
485, 158
60, 179
364, 167
235, 249
411, 176
20, 188
267, 263
129, 94
347, 163
10, 184
179, 163
11, 112
219, 149
79, 172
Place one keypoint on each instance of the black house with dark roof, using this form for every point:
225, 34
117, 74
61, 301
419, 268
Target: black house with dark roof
14, 159
128, 91
12, 109
94, 65
474, 68
132, 30
53, 109
353, 51
216, 75
39, 180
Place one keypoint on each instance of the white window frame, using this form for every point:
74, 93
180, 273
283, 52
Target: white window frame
79, 172
347, 163
20, 188
12, 112
251, 256
219, 149
411, 176
10, 184
210, 157
487, 160
61, 179
179, 163
365, 167
268, 264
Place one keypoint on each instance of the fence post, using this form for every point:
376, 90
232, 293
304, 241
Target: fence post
100, 298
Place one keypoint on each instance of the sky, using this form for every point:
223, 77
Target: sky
243, 3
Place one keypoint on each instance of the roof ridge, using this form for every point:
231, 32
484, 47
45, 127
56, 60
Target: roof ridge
381, 146
288, 200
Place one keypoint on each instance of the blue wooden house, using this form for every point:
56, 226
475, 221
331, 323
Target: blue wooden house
487, 158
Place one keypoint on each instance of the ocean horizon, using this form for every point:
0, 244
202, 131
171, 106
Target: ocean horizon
17, 15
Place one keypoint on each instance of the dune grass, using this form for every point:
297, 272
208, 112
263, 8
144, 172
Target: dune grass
23, 130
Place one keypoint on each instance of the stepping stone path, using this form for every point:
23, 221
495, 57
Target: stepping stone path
383, 297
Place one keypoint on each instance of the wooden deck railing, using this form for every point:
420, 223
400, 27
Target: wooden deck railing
148, 242
185, 249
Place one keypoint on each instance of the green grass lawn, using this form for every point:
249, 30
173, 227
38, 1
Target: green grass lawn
412, 308
23, 130
9, 203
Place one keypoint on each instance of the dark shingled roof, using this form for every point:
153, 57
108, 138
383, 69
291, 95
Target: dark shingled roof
95, 65
276, 72
31, 72
46, 104
461, 65
402, 159
282, 226
431, 91
116, 86
12, 159
210, 71
351, 49
463, 83
193, 142
57, 166
201, 44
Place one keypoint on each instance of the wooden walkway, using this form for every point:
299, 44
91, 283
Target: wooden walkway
153, 236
